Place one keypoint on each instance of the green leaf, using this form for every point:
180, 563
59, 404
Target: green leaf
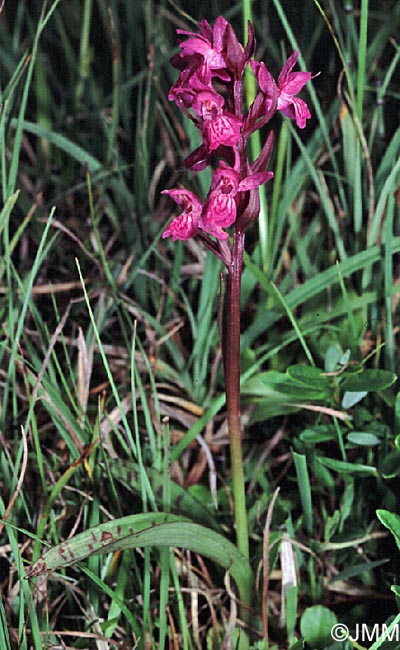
283, 387
4, 635
147, 529
70, 148
392, 523
363, 439
309, 376
275, 393
397, 413
332, 358
298, 645
358, 569
331, 525
316, 625
369, 380
303, 481
351, 398
390, 466
291, 609
319, 433
346, 468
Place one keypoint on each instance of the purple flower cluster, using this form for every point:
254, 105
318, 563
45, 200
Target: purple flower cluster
209, 91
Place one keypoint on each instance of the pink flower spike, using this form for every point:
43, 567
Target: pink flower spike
289, 84
186, 225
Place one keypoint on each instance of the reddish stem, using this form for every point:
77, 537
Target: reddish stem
232, 384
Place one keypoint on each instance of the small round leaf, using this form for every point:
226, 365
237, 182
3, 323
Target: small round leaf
316, 625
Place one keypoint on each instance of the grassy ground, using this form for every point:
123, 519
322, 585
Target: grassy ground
112, 395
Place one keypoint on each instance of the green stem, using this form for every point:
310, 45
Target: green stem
232, 384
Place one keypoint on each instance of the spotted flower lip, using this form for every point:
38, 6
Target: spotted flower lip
186, 225
220, 208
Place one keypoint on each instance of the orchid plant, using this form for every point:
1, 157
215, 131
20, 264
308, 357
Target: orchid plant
209, 90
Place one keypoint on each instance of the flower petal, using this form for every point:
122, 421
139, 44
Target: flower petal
186, 225
222, 130
295, 82
255, 180
290, 63
297, 110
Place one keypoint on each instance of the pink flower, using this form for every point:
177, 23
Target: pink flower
219, 127
289, 84
186, 225
210, 44
220, 208
266, 82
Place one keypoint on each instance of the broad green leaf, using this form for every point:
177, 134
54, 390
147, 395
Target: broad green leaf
390, 466
319, 433
275, 393
392, 523
363, 439
346, 468
147, 529
369, 380
351, 398
269, 408
332, 358
316, 624
281, 386
309, 376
